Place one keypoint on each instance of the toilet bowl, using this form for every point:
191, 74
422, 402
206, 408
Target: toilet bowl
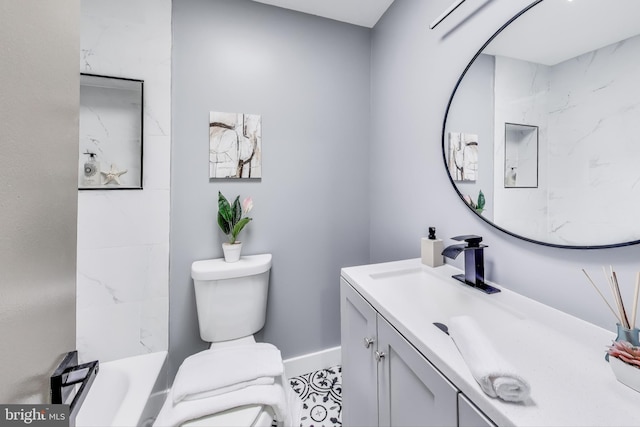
231, 301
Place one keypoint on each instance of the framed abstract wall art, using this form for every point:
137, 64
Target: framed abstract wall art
235, 145
463, 156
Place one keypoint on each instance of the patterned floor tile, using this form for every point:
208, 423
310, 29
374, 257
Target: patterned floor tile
321, 394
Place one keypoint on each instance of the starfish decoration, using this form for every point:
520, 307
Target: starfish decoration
112, 175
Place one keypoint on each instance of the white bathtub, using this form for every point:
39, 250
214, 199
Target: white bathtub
121, 390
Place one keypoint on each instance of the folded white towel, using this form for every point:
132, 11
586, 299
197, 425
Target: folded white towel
285, 404
495, 375
226, 369
227, 389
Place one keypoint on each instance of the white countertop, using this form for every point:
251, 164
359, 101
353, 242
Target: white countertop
561, 356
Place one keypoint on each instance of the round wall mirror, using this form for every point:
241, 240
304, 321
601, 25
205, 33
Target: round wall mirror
541, 137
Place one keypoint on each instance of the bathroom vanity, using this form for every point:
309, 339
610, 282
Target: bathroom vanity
399, 369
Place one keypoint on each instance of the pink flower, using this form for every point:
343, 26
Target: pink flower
247, 205
467, 198
626, 352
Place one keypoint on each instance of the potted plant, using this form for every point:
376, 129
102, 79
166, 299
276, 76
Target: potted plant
479, 206
231, 220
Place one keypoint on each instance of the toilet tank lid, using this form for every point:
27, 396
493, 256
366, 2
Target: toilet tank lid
218, 269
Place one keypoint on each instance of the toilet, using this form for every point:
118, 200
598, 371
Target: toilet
231, 300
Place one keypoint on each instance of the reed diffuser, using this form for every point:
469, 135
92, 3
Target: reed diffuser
621, 315
625, 350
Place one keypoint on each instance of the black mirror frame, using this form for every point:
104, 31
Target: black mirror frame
444, 153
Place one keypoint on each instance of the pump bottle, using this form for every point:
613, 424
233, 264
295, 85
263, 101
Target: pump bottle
91, 171
431, 249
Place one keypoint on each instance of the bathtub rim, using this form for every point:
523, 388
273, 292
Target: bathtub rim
146, 373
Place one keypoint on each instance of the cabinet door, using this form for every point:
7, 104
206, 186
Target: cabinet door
412, 391
359, 368
470, 416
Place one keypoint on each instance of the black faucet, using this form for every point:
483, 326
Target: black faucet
473, 262
70, 383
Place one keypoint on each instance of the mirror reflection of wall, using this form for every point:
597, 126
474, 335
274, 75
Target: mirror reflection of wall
520, 156
463, 156
580, 88
473, 112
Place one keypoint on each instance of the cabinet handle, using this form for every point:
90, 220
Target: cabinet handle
368, 342
380, 355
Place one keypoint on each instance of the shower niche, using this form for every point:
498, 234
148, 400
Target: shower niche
521, 156
110, 153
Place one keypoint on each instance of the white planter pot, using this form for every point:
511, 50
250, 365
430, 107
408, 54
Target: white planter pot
625, 373
232, 251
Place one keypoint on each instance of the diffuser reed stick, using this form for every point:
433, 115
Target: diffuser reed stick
623, 312
621, 315
635, 301
602, 296
615, 291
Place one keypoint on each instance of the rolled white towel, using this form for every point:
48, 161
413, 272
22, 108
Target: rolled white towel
496, 376
217, 371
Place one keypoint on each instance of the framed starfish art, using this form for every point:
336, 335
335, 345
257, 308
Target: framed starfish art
110, 156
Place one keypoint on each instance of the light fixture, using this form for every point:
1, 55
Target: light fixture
446, 13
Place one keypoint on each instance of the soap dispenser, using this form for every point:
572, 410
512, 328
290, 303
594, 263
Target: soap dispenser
431, 249
90, 172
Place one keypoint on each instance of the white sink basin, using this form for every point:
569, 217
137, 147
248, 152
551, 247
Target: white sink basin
442, 296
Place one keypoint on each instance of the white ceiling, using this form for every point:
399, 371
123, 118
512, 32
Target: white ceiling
359, 12
582, 25
557, 30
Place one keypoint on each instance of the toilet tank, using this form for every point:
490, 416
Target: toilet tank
231, 297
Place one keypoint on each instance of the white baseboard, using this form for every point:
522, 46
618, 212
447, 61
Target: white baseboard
311, 362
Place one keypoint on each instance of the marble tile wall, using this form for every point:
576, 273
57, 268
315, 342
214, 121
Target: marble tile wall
123, 235
587, 109
521, 89
595, 149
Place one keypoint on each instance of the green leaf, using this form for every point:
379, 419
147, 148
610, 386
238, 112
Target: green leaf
224, 208
238, 227
236, 212
481, 201
224, 214
223, 224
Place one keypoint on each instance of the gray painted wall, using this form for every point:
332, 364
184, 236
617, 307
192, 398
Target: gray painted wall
39, 83
472, 112
309, 79
414, 70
